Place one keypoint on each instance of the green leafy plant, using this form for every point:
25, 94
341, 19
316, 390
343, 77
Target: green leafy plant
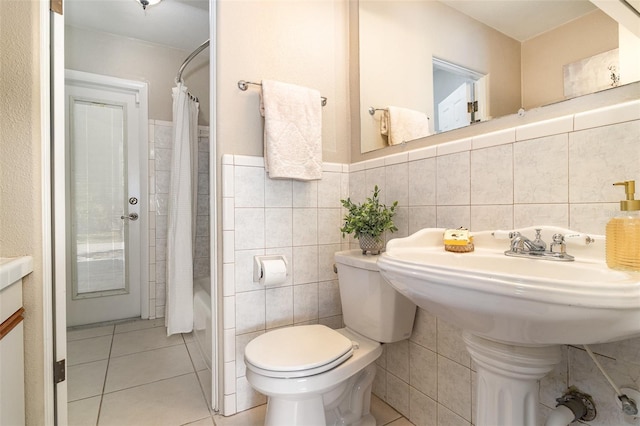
369, 218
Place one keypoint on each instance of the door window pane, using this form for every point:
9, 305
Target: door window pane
98, 198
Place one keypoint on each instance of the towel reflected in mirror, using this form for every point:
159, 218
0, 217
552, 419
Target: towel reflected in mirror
403, 124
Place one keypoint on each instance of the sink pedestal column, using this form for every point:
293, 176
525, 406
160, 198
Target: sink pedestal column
508, 375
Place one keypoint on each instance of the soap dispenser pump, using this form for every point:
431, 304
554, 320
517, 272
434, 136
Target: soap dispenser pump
623, 232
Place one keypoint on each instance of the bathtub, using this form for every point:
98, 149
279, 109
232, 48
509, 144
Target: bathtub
202, 332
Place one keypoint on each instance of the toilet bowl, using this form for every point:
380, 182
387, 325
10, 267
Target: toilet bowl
313, 393
316, 376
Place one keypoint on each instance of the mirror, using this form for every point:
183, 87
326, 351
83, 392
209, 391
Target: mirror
399, 41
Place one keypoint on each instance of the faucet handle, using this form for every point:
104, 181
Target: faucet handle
578, 239
504, 235
558, 241
538, 239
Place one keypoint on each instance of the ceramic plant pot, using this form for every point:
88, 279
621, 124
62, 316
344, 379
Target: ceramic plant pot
374, 245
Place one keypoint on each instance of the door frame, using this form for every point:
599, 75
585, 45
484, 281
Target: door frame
54, 288
54, 256
141, 92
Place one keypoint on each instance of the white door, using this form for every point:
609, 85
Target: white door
56, 400
481, 95
452, 111
104, 176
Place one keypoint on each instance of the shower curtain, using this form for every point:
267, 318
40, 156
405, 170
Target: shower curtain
181, 226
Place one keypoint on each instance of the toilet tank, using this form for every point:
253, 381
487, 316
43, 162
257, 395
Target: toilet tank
370, 306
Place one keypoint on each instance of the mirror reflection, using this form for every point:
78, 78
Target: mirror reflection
459, 96
434, 58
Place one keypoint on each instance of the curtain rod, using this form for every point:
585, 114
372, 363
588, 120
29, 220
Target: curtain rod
189, 58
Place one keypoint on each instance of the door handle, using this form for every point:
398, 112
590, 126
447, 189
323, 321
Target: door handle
131, 216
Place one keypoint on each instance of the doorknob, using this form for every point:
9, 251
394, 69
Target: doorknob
132, 216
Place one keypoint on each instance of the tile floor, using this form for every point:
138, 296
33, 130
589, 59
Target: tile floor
133, 374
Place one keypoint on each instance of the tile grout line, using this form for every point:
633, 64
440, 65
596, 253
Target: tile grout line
100, 407
148, 383
106, 372
100, 413
157, 380
143, 351
193, 365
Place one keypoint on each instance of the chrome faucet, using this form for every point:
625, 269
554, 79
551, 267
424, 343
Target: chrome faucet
522, 246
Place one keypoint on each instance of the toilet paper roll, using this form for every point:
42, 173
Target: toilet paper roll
273, 272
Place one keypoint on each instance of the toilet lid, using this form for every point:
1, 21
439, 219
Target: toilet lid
298, 351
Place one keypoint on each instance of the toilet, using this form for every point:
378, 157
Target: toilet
316, 376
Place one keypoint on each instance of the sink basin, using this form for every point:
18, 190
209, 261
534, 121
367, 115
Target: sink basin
516, 300
515, 312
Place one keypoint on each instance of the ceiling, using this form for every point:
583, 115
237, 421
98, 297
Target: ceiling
184, 24
523, 19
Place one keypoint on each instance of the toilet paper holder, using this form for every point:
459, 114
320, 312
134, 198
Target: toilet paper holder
258, 271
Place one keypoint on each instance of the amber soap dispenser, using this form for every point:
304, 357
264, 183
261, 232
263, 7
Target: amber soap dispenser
623, 232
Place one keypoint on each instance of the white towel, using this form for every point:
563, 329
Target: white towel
292, 131
403, 124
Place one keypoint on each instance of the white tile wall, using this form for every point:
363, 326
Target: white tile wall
540, 129
299, 220
492, 185
628, 111
541, 170
543, 173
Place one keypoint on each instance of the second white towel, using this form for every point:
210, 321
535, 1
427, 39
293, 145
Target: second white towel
403, 124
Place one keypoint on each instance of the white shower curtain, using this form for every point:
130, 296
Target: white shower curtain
182, 213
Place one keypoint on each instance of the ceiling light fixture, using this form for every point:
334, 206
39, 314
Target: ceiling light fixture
146, 3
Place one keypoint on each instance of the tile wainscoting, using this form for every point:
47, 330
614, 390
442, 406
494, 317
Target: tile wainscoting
262, 216
556, 172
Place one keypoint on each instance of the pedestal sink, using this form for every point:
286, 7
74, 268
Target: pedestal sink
515, 312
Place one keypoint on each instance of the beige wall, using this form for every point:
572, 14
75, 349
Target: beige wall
544, 56
303, 43
629, 56
20, 177
397, 43
123, 57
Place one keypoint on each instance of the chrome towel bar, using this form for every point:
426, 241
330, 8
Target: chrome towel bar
244, 85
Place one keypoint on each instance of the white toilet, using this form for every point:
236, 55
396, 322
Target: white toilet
313, 375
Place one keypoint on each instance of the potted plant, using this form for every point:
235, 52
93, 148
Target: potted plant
368, 221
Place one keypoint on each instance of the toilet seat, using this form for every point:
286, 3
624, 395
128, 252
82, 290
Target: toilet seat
298, 351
